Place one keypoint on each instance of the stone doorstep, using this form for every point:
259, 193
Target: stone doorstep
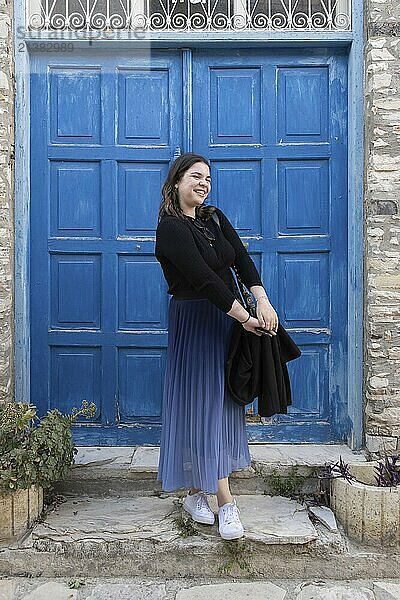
145, 526
126, 537
267, 519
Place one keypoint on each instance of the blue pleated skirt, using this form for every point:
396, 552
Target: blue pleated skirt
203, 436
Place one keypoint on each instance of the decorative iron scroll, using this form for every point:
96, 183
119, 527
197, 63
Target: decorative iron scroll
188, 15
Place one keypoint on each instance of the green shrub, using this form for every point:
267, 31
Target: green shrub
33, 450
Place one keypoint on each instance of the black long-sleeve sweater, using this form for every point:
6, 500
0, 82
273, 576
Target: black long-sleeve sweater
193, 268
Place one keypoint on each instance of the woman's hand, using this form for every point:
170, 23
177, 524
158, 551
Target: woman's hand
266, 315
251, 325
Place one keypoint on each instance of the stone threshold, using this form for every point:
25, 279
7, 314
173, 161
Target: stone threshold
145, 458
132, 470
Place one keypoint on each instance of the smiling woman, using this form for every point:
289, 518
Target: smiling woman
193, 187
203, 436
186, 187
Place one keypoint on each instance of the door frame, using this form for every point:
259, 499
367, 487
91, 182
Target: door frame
353, 41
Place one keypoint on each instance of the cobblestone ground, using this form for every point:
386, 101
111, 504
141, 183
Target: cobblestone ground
189, 589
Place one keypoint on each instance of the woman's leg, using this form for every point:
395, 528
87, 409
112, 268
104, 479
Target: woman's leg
224, 494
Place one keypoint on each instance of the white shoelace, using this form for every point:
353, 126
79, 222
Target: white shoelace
231, 514
201, 501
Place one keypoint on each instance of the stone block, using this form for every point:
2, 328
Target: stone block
104, 456
6, 519
381, 54
33, 504
4, 85
385, 590
388, 281
275, 520
324, 591
52, 590
387, 421
146, 458
128, 591
233, 591
19, 510
378, 382
4, 27
7, 589
325, 515
380, 443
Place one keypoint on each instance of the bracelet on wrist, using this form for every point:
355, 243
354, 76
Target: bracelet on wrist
242, 322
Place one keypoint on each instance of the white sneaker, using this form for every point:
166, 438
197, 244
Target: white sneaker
197, 505
230, 526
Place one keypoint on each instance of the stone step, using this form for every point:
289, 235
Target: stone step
132, 470
155, 537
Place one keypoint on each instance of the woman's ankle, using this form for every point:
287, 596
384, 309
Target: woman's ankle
224, 500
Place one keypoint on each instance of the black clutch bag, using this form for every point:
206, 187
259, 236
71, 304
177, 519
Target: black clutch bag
246, 300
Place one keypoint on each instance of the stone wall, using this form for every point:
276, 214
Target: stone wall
6, 202
382, 227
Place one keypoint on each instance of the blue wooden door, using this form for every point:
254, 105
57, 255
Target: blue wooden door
104, 132
274, 125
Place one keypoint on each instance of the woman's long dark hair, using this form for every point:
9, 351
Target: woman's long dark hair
170, 203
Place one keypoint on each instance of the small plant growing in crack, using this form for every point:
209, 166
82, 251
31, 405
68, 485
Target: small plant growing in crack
282, 485
319, 497
75, 584
290, 485
185, 526
237, 552
286, 485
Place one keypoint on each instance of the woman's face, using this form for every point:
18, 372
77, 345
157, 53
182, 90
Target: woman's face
194, 186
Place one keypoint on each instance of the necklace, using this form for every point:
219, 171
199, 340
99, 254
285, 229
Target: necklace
198, 223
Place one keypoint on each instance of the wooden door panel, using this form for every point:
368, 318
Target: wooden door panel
103, 138
277, 145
